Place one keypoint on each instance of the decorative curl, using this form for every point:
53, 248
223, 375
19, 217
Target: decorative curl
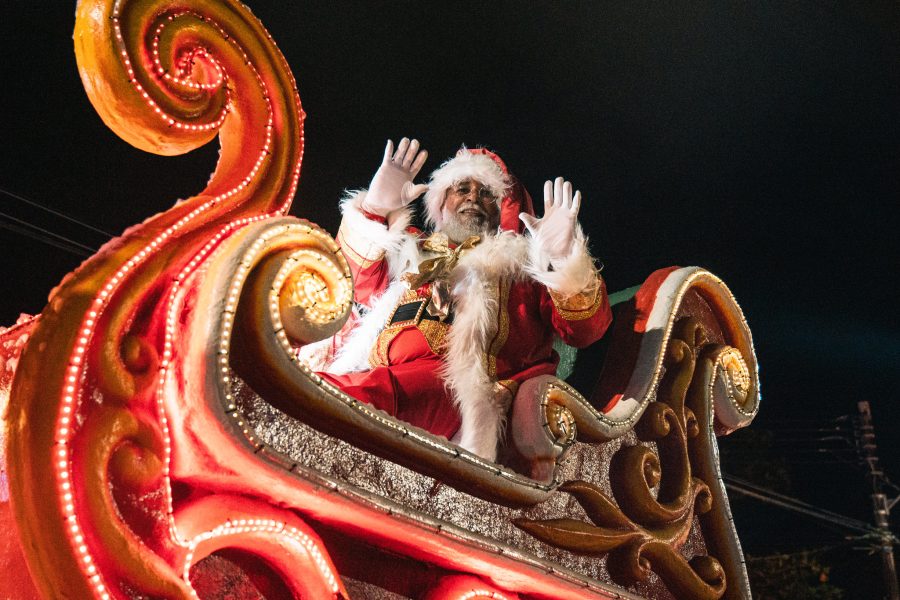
166, 80
314, 293
656, 495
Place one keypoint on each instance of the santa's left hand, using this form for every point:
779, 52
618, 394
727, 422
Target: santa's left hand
555, 231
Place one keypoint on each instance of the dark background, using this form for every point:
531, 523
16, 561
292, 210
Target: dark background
759, 141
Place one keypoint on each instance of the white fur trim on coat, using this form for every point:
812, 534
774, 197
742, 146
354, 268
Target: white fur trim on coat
464, 165
475, 289
369, 238
567, 277
393, 242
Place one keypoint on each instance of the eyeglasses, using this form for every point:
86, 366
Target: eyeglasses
482, 193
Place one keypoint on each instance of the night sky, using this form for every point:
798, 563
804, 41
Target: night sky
759, 141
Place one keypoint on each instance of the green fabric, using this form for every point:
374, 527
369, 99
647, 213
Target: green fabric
623, 295
567, 356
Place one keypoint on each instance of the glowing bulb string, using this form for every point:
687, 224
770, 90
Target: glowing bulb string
185, 63
474, 594
72, 387
292, 535
172, 307
146, 95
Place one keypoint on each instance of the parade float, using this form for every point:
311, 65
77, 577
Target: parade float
163, 439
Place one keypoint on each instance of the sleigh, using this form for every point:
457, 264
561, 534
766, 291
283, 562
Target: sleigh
164, 439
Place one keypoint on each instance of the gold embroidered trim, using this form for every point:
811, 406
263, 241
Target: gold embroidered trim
511, 385
503, 396
378, 357
502, 327
435, 334
364, 261
582, 305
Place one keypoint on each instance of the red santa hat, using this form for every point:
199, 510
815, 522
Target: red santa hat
488, 169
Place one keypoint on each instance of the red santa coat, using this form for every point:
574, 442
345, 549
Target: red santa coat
458, 379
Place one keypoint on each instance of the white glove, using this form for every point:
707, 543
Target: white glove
555, 232
392, 187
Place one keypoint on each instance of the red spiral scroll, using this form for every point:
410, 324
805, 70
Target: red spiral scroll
90, 452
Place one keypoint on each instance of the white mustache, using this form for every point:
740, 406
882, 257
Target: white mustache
471, 207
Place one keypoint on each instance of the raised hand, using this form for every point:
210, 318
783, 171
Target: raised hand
555, 231
392, 187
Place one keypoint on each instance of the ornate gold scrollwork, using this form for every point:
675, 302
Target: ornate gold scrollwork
656, 492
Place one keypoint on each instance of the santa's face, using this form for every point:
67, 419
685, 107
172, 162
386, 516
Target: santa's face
470, 208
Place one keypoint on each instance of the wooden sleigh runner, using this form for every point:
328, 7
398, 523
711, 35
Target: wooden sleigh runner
164, 440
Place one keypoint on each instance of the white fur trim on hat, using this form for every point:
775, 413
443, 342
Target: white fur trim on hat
464, 165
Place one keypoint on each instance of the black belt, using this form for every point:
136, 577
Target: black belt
414, 311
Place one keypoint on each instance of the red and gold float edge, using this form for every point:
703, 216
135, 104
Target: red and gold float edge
77, 341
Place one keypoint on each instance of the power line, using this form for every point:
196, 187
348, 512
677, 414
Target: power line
811, 513
55, 212
881, 506
771, 497
807, 552
48, 237
43, 239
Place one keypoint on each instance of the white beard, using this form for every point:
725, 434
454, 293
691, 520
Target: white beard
460, 227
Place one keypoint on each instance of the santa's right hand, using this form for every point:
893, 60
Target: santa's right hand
392, 187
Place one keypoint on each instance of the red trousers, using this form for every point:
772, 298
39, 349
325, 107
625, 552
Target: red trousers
409, 388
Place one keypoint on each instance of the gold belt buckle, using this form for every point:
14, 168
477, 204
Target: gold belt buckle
423, 303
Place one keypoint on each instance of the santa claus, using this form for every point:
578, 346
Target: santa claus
448, 324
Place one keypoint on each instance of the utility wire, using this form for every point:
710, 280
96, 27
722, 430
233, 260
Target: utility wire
57, 213
807, 552
771, 497
43, 235
791, 507
42, 238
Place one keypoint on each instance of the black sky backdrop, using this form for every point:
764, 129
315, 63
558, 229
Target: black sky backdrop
758, 140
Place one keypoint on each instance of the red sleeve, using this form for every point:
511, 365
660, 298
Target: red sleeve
370, 276
579, 320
